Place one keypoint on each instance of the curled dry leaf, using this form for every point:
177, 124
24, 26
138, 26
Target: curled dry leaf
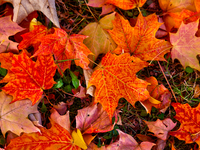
23, 8
127, 142
161, 128
14, 116
93, 119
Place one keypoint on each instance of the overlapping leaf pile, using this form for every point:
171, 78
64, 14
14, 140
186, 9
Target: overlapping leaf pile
127, 50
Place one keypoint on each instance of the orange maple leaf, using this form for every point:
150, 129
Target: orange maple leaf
55, 138
116, 78
140, 40
65, 47
31, 78
34, 37
127, 4
189, 131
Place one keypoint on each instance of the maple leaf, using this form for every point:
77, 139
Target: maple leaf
190, 124
177, 6
23, 8
127, 142
8, 28
161, 128
186, 45
55, 138
127, 4
99, 41
106, 8
31, 78
116, 78
140, 40
14, 116
65, 47
93, 119
34, 37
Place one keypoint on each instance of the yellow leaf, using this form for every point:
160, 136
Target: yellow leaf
78, 139
33, 23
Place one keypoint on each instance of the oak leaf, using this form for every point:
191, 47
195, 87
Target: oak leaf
99, 41
140, 40
55, 138
8, 28
65, 47
31, 78
93, 119
186, 45
14, 116
23, 8
115, 78
161, 128
127, 142
127, 4
190, 123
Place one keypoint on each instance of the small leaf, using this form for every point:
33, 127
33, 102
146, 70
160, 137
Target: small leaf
3, 71
43, 108
78, 139
68, 89
189, 70
75, 81
59, 84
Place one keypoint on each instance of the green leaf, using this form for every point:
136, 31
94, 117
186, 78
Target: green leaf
75, 80
59, 84
189, 70
43, 108
68, 89
3, 71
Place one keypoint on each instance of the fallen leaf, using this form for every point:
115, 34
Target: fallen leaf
34, 37
177, 6
127, 4
31, 78
62, 120
106, 8
22, 8
93, 119
140, 40
99, 41
115, 78
161, 128
189, 119
196, 91
14, 117
8, 28
186, 45
65, 47
127, 142
55, 138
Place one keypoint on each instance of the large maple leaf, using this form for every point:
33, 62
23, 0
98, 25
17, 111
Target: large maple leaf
8, 28
65, 47
55, 138
190, 123
14, 116
116, 78
186, 45
22, 8
31, 78
140, 40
